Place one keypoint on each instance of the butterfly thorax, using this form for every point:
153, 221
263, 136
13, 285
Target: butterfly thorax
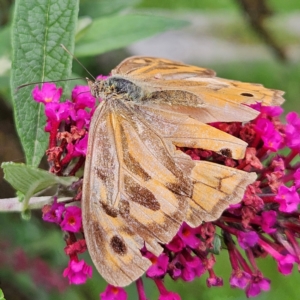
116, 86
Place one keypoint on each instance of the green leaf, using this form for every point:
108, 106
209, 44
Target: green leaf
29, 180
114, 32
5, 47
4, 89
96, 8
39, 27
1, 295
5, 64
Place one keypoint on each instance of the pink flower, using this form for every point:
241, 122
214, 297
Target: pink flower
270, 136
48, 93
175, 268
192, 266
169, 296
257, 285
81, 147
72, 219
176, 244
76, 247
113, 293
159, 264
297, 178
82, 118
239, 279
288, 198
82, 97
270, 111
188, 235
268, 219
77, 272
285, 264
54, 212
292, 131
58, 111
164, 294
214, 281
247, 239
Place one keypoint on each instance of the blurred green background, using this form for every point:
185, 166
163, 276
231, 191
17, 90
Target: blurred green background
254, 41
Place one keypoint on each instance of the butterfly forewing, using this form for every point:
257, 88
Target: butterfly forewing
134, 192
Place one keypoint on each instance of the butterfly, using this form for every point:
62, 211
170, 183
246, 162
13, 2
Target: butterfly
138, 188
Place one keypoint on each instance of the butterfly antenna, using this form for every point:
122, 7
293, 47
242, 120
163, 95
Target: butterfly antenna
75, 58
38, 82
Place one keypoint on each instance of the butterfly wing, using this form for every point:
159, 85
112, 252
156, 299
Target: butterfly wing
183, 131
134, 193
143, 67
137, 187
195, 91
216, 187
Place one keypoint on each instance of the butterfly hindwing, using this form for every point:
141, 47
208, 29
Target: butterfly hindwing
215, 186
183, 131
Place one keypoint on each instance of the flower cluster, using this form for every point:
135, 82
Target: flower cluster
265, 222
67, 124
69, 219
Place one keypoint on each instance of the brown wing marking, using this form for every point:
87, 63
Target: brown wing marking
184, 131
215, 188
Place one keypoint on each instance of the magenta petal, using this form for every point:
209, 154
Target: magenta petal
285, 265
169, 296
77, 272
247, 239
239, 279
113, 293
72, 219
47, 94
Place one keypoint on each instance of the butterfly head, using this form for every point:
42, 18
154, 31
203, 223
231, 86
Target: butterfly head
97, 87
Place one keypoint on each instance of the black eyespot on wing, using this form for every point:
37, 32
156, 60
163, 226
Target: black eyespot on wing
247, 95
226, 152
118, 245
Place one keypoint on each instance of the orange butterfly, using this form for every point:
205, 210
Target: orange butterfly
138, 189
